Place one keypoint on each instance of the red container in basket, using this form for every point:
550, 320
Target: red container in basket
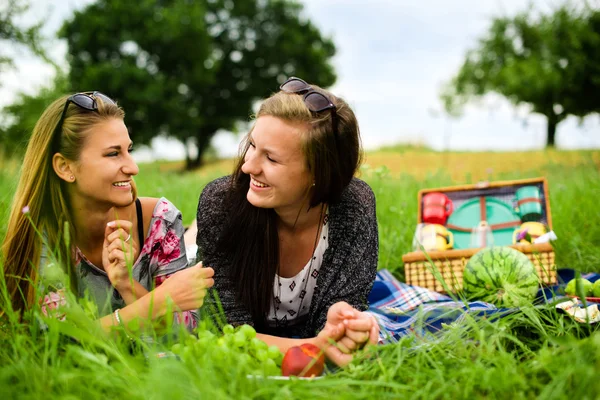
436, 208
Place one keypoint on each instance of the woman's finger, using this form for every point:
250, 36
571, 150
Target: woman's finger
207, 272
209, 282
361, 324
119, 244
120, 234
374, 333
334, 354
120, 224
117, 255
340, 311
358, 337
347, 345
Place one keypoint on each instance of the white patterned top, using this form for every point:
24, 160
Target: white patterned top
292, 296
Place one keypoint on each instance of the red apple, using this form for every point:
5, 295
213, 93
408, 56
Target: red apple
305, 360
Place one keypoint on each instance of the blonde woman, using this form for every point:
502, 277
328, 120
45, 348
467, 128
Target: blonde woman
127, 252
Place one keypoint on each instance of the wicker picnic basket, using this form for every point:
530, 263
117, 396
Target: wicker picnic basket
442, 270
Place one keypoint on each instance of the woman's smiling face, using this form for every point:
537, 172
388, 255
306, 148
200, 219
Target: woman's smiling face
104, 171
279, 175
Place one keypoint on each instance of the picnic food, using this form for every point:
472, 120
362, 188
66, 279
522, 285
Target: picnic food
586, 285
596, 288
305, 360
502, 276
237, 346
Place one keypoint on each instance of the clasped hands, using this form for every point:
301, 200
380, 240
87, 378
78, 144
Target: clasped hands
187, 288
346, 331
118, 251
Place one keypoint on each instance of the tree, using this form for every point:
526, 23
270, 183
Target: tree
550, 62
13, 34
188, 68
19, 118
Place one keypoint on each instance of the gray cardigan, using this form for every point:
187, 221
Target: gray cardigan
349, 263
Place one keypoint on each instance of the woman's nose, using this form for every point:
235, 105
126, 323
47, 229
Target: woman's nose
250, 165
130, 167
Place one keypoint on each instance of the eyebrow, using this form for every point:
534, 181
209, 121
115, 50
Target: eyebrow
117, 147
266, 149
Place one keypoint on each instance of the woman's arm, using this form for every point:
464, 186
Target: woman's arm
329, 340
132, 291
184, 290
348, 272
284, 343
148, 308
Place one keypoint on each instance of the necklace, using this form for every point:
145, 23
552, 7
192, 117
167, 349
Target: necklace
283, 322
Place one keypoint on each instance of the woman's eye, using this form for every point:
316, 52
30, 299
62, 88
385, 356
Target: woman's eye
270, 159
251, 144
113, 154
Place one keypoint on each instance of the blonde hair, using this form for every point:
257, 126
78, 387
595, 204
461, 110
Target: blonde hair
45, 195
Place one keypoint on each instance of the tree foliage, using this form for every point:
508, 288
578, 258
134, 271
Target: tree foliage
19, 118
549, 61
189, 68
13, 34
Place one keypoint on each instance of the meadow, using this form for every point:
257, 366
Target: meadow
533, 353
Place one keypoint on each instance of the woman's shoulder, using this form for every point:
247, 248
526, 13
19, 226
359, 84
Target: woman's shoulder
214, 194
211, 205
161, 208
357, 195
216, 188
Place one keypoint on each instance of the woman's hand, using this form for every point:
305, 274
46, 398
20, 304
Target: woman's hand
187, 287
119, 253
363, 329
350, 329
327, 340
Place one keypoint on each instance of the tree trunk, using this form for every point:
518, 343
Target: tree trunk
188, 156
193, 163
202, 142
551, 129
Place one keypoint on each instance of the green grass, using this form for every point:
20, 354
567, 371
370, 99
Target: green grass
529, 354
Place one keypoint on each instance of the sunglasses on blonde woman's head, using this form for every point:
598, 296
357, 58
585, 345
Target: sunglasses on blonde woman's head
85, 100
315, 101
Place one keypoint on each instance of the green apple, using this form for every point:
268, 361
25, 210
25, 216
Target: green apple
596, 288
571, 287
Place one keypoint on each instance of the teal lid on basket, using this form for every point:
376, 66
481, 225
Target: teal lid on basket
469, 215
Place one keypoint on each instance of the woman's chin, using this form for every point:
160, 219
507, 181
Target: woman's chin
257, 201
124, 201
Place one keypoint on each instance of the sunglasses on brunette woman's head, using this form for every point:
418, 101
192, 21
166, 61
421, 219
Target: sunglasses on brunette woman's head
315, 101
85, 100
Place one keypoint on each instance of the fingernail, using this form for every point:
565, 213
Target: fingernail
111, 224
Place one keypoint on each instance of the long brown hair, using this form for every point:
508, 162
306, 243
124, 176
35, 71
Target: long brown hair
45, 195
250, 237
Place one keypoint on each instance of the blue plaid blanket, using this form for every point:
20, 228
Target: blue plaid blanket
403, 309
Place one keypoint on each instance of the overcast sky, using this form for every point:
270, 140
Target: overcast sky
393, 56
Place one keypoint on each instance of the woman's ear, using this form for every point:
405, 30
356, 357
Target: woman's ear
63, 168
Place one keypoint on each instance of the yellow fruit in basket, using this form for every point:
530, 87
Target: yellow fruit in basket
587, 287
596, 288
